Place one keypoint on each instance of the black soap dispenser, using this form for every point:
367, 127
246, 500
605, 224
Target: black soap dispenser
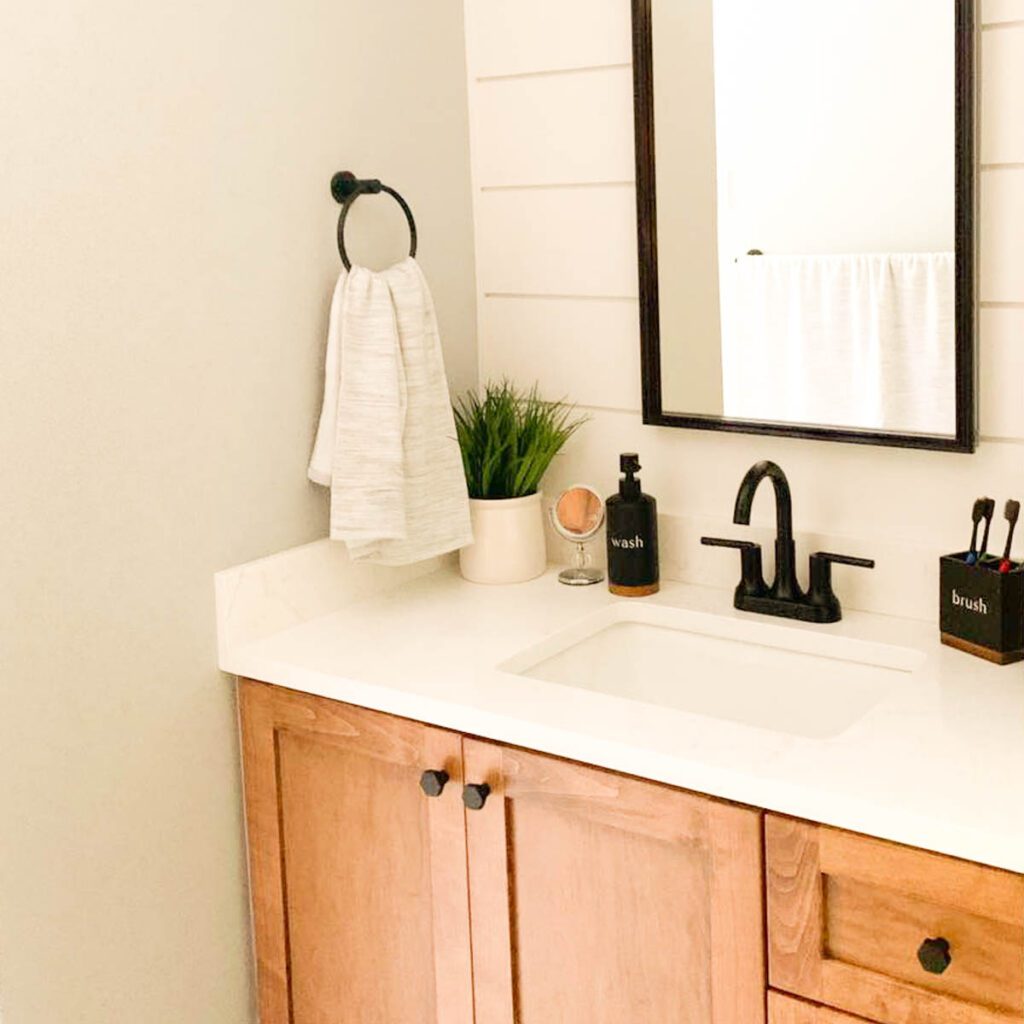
632, 528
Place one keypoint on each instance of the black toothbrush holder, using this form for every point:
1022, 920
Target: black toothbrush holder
981, 610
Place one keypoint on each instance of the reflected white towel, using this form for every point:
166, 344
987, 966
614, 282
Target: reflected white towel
386, 443
863, 341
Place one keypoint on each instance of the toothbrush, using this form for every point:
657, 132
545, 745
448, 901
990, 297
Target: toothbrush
989, 512
977, 514
1011, 512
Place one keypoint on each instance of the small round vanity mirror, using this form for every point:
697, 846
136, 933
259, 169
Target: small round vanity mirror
577, 516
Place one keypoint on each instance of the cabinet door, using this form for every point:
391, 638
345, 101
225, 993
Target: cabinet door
358, 878
600, 899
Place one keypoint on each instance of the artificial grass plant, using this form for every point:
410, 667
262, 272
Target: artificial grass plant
508, 438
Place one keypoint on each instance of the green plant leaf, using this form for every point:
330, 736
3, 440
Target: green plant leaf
508, 438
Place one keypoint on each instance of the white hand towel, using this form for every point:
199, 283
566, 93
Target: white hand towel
386, 443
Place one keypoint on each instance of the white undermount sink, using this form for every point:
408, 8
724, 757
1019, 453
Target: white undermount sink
756, 671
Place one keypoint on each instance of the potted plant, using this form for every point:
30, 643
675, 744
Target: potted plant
508, 438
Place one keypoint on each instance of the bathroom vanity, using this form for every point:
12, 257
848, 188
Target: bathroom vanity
464, 804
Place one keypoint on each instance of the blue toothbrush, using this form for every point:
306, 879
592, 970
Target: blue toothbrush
984, 508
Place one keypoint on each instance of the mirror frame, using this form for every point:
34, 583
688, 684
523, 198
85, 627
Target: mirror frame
965, 438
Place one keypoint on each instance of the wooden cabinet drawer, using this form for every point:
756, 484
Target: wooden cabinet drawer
783, 1009
847, 916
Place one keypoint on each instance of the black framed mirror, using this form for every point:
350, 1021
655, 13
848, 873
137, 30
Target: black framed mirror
805, 210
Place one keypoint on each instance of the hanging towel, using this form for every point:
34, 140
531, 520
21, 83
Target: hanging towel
386, 444
863, 341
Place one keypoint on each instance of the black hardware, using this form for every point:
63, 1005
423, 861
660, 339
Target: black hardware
785, 587
934, 955
347, 188
821, 594
654, 411
752, 582
344, 183
433, 782
784, 597
474, 795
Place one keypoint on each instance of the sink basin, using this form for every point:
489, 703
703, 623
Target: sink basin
789, 679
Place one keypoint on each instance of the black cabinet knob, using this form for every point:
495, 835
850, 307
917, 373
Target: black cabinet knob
934, 955
433, 782
474, 795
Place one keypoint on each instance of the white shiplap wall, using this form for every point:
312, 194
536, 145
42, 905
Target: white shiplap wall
550, 94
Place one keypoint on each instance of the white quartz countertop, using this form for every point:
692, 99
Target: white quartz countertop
937, 763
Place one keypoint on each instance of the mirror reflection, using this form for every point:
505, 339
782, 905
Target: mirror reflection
805, 154
579, 513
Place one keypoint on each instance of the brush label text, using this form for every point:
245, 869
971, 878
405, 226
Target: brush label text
970, 604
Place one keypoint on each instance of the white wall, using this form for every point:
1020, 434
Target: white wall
166, 258
551, 121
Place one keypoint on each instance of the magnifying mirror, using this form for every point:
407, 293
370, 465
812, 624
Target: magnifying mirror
577, 516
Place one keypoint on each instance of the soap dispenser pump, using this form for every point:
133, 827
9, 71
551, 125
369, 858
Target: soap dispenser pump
632, 529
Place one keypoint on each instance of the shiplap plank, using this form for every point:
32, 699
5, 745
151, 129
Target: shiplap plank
507, 37
569, 128
1002, 241
586, 350
1002, 96
994, 12
560, 241
1002, 373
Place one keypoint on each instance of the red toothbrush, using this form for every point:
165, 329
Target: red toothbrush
1011, 513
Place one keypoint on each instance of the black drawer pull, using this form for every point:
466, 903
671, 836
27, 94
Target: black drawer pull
934, 955
474, 795
433, 782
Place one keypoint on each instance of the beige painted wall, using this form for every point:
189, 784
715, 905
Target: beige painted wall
166, 258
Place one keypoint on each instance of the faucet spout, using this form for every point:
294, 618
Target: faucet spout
783, 498
785, 587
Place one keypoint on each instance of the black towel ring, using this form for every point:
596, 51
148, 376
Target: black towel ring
347, 188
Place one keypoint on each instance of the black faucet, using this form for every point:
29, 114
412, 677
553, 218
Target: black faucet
784, 597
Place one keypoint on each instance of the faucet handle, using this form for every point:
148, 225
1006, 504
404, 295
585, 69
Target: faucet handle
726, 542
821, 592
752, 582
829, 558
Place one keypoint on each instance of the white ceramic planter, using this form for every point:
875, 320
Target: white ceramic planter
508, 541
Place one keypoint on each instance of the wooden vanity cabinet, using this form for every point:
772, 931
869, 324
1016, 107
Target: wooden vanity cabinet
405, 874
594, 898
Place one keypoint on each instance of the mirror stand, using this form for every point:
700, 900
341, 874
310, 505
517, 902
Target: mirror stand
582, 574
